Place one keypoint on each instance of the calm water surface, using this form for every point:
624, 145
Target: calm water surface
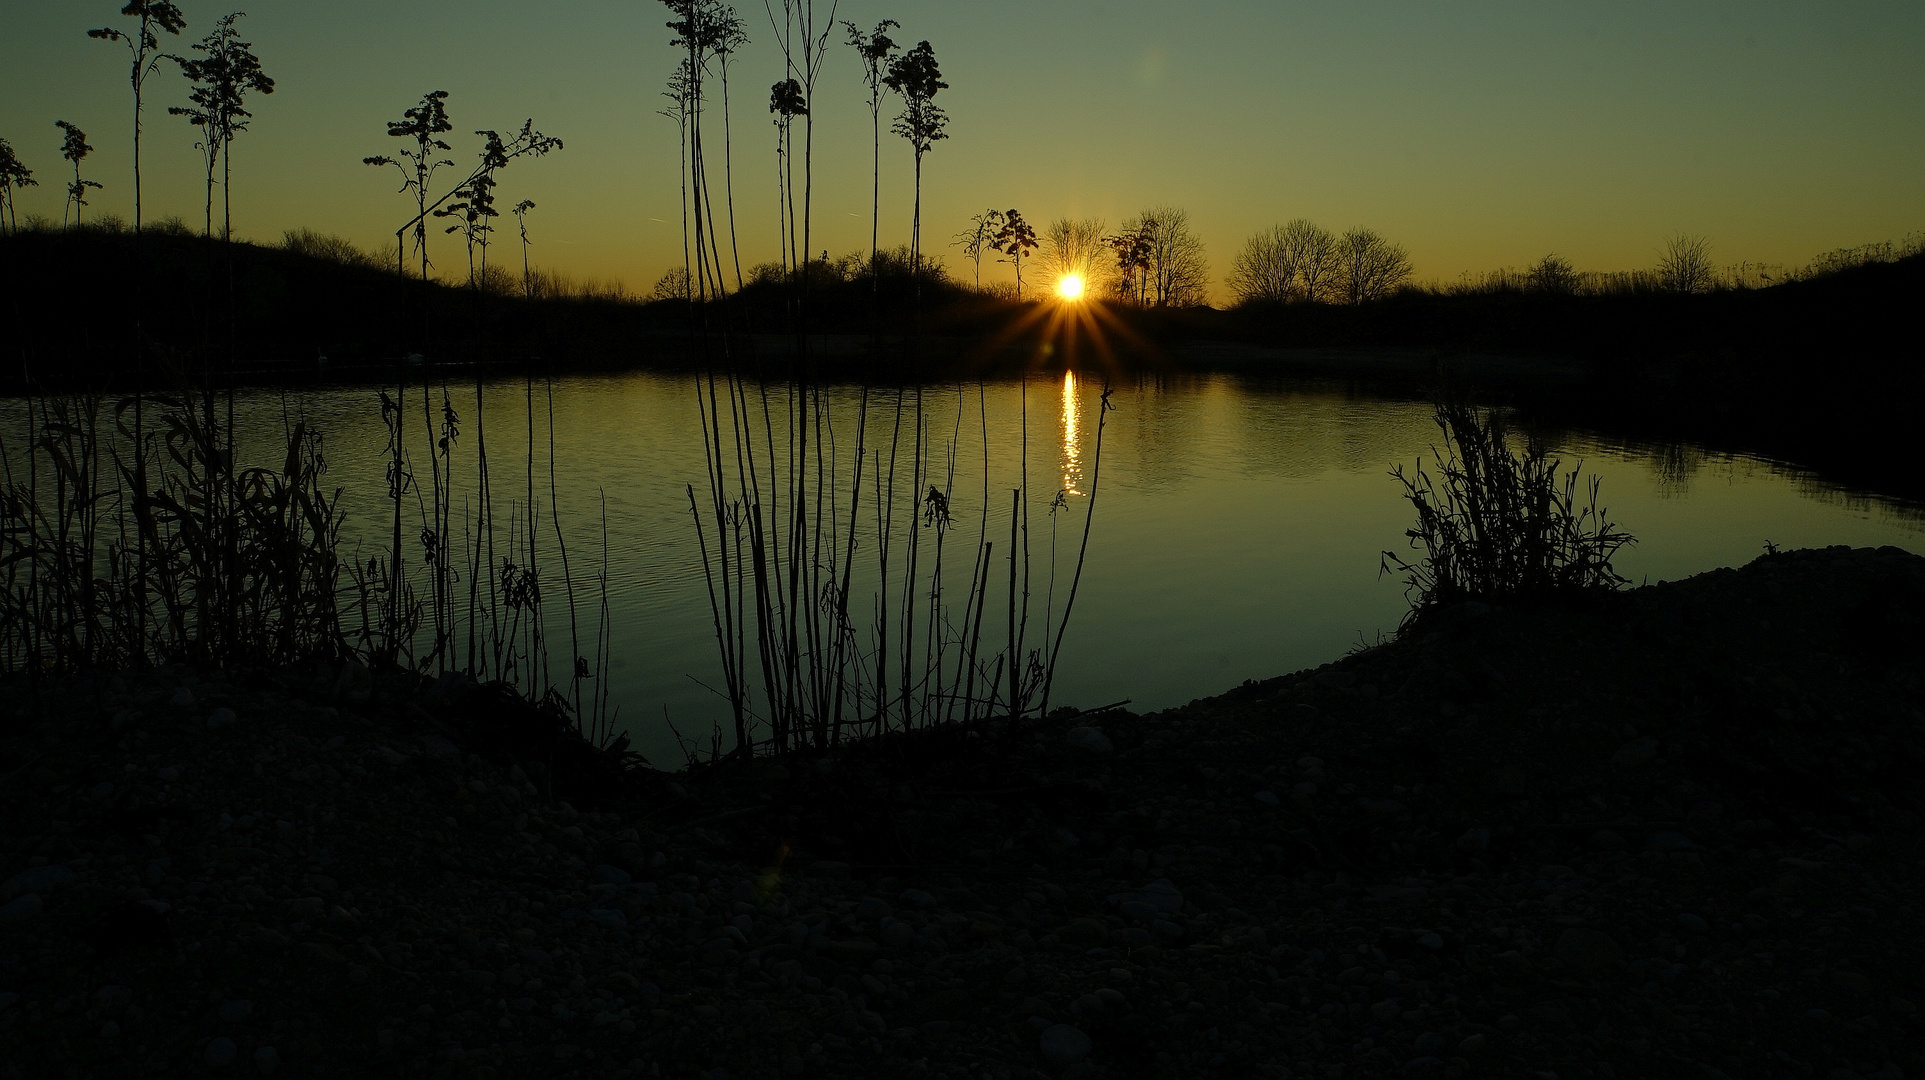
1237, 530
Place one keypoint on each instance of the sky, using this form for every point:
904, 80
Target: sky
1475, 135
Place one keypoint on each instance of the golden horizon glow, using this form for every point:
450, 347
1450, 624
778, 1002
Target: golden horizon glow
1070, 287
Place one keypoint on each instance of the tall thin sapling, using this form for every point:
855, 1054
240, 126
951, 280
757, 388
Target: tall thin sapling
917, 79
154, 17
878, 54
74, 148
979, 238
222, 79
424, 124
1015, 239
521, 218
13, 176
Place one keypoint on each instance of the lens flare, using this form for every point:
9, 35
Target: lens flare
1070, 287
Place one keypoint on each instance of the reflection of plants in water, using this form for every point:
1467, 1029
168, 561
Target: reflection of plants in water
804, 505
1495, 524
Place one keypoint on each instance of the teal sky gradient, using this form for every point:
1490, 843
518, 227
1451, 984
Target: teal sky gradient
1478, 135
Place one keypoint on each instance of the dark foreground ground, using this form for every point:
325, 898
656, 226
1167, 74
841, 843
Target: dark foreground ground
1676, 835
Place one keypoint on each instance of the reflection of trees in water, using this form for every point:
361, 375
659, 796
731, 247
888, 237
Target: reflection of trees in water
1676, 463
1177, 425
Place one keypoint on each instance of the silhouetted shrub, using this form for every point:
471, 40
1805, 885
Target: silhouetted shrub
1495, 524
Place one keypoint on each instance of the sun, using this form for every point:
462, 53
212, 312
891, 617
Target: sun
1070, 287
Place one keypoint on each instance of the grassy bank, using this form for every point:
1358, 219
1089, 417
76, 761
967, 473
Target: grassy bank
1672, 833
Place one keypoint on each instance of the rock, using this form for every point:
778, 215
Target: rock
611, 875
1852, 981
1693, 924
233, 1012
1064, 1045
1088, 740
1636, 752
22, 908
355, 684
1474, 841
388, 757
1434, 942
111, 1000
1160, 895
37, 879
1472, 1044
916, 898
167, 775
220, 1053
221, 717
439, 747
1268, 798
1668, 841
1513, 962
1085, 932
182, 698
1588, 950
613, 918
266, 1060
109, 1030
102, 789
1386, 1010
1607, 840
1429, 1044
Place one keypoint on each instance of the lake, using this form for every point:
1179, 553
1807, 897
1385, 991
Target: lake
1237, 531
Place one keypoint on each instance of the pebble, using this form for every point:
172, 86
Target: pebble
220, 1053
233, 1012
221, 717
1064, 1045
183, 697
20, 908
266, 1060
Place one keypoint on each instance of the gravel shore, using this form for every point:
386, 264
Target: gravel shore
1672, 835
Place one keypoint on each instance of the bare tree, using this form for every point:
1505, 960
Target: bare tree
1074, 247
1369, 266
1313, 251
153, 15
878, 56
979, 238
1262, 272
1552, 275
74, 148
1684, 265
1176, 273
1131, 247
1286, 263
13, 176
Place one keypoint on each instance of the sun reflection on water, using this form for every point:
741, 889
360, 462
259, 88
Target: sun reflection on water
1072, 436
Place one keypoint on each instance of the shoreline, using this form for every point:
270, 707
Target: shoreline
1658, 836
